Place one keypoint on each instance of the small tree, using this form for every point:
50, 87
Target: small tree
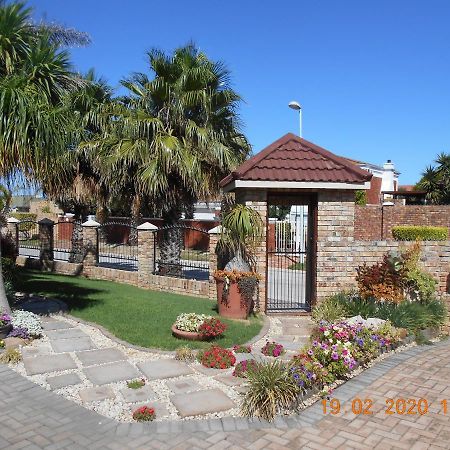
242, 232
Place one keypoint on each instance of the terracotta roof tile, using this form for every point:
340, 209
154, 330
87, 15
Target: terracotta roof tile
292, 158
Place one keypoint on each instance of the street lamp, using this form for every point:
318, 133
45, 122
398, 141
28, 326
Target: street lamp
296, 106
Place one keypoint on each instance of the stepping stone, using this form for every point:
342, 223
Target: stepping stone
143, 394
63, 380
247, 356
183, 386
69, 333
164, 368
160, 408
293, 346
111, 373
242, 389
103, 356
230, 380
72, 345
208, 370
48, 363
202, 402
56, 325
96, 394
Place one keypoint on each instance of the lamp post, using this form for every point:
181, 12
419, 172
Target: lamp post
296, 106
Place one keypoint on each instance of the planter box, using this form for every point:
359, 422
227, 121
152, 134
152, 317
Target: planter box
188, 335
233, 306
5, 330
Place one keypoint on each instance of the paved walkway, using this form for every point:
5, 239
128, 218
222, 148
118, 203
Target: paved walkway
33, 418
82, 364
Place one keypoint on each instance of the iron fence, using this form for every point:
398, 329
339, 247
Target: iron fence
117, 246
68, 241
182, 252
28, 240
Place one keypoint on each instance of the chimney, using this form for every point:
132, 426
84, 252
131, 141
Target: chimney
387, 182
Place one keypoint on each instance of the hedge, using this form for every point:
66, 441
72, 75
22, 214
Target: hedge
421, 233
24, 216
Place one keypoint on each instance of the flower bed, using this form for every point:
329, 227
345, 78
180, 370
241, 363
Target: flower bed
197, 327
144, 414
243, 367
217, 357
272, 349
335, 350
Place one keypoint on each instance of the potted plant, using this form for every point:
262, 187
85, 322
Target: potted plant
242, 231
197, 327
5, 325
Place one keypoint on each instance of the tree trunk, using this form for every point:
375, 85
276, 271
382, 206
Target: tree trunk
171, 244
4, 304
136, 204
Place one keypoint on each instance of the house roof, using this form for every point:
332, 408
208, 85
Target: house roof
292, 158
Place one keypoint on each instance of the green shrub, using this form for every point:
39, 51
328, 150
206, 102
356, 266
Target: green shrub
184, 354
330, 310
10, 356
271, 389
421, 233
136, 384
361, 198
407, 314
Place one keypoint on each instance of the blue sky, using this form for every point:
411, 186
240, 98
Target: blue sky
373, 77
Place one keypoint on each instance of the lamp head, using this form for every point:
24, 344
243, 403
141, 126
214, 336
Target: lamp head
295, 105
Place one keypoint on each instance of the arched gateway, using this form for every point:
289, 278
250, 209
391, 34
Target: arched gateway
306, 196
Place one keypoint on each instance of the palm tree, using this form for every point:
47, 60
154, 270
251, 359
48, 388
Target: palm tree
436, 181
35, 76
174, 136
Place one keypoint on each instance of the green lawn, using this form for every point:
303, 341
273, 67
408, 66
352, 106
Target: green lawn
135, 315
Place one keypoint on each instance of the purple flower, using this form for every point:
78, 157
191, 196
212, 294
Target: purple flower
315, 343
310, 352
324, 346
19, 332
334, 356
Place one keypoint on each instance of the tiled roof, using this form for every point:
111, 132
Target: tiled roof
292, 158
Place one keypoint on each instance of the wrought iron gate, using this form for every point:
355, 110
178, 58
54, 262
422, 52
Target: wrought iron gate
290, 255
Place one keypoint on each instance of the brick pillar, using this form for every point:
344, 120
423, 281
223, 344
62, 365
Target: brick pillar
213, 238
146, 252
46, 241
257, 200
13, 232
335, 242
90, 244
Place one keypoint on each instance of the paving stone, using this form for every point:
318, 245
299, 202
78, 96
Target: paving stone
68, 333
293, 346
230, 380
14, 342
55, 325
48, 363
60, 381
208, 370
143, 394
111, 373
243, 389
102, 356
202, 402
183, 386
164, 368
72, 345
96, 394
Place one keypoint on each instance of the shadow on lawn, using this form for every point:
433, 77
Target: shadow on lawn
74, 295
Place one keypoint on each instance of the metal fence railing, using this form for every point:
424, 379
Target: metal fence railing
28, 240
117, 246
182, 252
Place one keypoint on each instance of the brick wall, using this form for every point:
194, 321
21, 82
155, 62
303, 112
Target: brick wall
375, 222
335, 224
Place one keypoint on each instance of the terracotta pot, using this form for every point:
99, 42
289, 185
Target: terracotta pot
4, 330
188, 335
233, 306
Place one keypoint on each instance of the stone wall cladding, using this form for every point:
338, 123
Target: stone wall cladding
375, 222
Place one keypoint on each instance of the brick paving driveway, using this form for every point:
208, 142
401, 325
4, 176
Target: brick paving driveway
33, 418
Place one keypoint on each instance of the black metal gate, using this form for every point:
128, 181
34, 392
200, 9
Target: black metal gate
290, 254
